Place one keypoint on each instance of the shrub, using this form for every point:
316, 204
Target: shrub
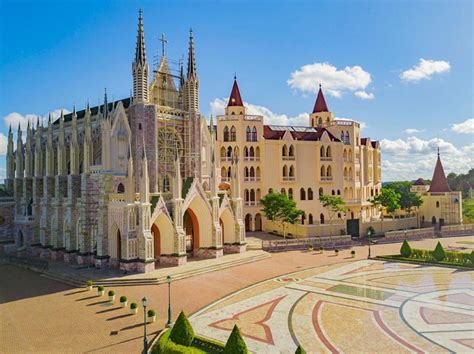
321, 248
405, 250
300, 350
310, 247
353, 252
111, 293
133, 305
100, 288
151, 313
439, 252
123, 299
89, 283
471, 257
371, 229
182, 331
235, 344
336, 251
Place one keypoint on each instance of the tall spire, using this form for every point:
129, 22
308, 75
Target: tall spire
320, 105
191, 59
140, 52
439, 182
105, 109
140, 67
235, 99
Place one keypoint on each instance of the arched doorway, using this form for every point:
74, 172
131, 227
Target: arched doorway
227, 224
258, 222
191, 229
119, 245
248, 222
21, 240
156, 241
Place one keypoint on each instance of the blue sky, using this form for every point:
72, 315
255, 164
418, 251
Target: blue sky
367, 55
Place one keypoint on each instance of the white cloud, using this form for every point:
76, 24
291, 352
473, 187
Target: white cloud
413, 130
425, 69
3, 144
414, 157
269, 117
466, 127
335, 82
15, 118
364, 95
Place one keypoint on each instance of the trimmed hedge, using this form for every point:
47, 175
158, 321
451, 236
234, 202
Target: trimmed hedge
300, 350
182, 331
405, 250
439, 254
235, 344
123, 299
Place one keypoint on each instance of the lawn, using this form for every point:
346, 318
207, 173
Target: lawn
468, 210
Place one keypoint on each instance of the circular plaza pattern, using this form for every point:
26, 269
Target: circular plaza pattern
362, 306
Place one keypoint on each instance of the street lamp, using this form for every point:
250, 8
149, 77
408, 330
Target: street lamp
169, 323
145, 341
368, 234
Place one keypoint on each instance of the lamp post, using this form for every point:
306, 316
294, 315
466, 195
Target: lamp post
145, 341
368, 234
169, 323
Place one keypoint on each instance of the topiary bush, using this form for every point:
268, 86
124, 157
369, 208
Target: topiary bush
89, 283
123, 298
151, 313
235, 344
471, 257
300, 350
100, 288
439, 254
133, 305
111, 293
405, 250
182, 331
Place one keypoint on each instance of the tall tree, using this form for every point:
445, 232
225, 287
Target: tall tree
333, 204
388, 199
279, 208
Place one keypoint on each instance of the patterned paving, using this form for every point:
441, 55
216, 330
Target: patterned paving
363, 306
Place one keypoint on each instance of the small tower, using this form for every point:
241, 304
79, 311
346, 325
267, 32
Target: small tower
236, 103
140, 67
38, 171
87, 155
439, 182
191, 85
10, 163
61, 149
321, 116
49, 149
19, 155
28, 152
74, 147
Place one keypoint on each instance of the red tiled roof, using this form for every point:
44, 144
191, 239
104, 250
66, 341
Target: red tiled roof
320, 105
298, 133
419, 182
439, 183
235, 99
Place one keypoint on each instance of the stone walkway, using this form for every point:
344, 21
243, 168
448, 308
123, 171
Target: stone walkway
39, 315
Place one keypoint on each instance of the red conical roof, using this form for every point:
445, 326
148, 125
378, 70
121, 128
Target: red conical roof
235, 99
320, 105
439, 182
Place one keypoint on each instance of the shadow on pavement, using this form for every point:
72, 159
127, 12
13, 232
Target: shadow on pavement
118, 317
87, 298
98, 303
109, 310
75, 292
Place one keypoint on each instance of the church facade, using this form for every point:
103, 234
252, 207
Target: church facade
126, 183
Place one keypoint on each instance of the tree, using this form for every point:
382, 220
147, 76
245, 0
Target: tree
235, 344
408, 199
279, 208
439, 252
182, 331
405, 250
388, 199
333, 204
300, 350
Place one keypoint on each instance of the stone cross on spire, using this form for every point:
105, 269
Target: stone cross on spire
163, 43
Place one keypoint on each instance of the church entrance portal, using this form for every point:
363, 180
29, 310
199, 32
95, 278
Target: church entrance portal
156, 241
191, 228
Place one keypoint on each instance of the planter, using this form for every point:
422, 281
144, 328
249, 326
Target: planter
89, 287
112, 298
101, 293
134, 311
123, 304
152, 319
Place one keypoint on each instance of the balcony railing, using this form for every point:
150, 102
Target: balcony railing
247, 117
251, 158
251, 179
326, 158
226, 158
251, 203
225, 179
288, 158
288, 178
326, 178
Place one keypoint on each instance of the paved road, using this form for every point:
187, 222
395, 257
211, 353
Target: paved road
42, 316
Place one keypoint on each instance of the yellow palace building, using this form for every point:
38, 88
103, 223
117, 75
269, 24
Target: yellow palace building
328, 156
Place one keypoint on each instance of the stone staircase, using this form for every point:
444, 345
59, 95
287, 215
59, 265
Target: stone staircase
78, 277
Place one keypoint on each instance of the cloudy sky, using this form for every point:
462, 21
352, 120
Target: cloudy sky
402, 68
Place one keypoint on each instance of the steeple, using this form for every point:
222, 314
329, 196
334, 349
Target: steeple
130, 180
191, 59
38, 170
105, 109
28, 152
144, 181
140, 67
10, 155
320, 104
74, 148
178, 183
439, 182
19, 154
235, 99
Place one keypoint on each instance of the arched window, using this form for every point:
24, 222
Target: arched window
233, 134
229, 172
258, 194
320, 121
371, 192
290, 193
321, 151
226, 133
338, 192
342, 135
321, 218
323, 171
344, 154
252, 172
236, 151
283, 191
328, 151
229, 152
284, 150
223, 153
433, 220
310, 194
251, 152
254, 134
252, 195
246, 152
292, 171
310, 219
247, 195
303, 217
270, 190
257, 153
257, 172
285, 171
223, 172
166, 184
332, 192
302, 194
347, 138
329, 171
248, 134
338, 215
246, 172
120, 188
321, 191
345, 171
437, 204
291, 151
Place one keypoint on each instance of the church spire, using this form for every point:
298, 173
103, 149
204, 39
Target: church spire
235, 99
439, 182
140, 67
320, 104
191, 59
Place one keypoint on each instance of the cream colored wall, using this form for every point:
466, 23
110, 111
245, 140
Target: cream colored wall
447, 209
203, 215
167, 234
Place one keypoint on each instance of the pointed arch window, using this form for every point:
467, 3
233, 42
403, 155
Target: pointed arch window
252, 152
310, 194
347, 140
292, 171
310, 219
254, 134
321, 151
229, 152
302, 194
284, 151
248, 134
329, 171
328, 151
291, 151
252, 172
120, 188
233, 134
321, 191
246, 172
290, 193
226, 133
246, 152
285, 171
321, 218
283, 191
252, 195
223, 152
323, 171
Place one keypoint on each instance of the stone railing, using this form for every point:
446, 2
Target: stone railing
457, 230
411, 234
304, 243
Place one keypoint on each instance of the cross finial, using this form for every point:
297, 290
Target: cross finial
163, 41
320, 86
235, 75
438, 151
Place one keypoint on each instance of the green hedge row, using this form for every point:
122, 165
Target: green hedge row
437, 255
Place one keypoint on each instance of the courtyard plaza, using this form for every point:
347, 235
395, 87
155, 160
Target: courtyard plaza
325, 302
